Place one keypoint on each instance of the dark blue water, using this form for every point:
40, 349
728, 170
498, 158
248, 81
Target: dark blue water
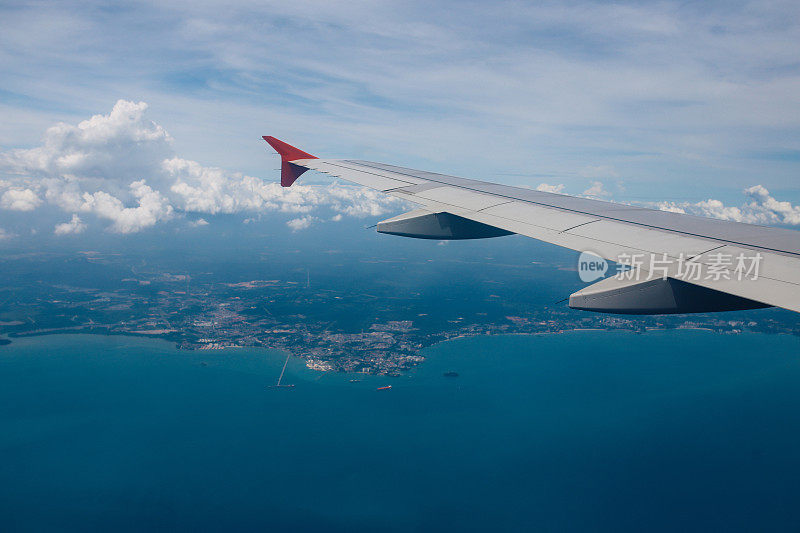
587, 431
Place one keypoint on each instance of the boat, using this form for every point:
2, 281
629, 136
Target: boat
387, 387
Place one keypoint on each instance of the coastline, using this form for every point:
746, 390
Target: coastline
323, 366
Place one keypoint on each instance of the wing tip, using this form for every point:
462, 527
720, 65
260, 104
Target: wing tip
287, 151
289, 171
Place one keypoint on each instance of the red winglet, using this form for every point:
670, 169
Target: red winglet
289, 171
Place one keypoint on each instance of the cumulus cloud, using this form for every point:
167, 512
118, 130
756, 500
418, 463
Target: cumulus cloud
122, 145
767, 209
716, 209
122, 168
762, 208
20, 200
72, 227
152, 207
671, 207
596, 191
546, 187
301, 223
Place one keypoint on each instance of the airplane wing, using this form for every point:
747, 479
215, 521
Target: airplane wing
674, 263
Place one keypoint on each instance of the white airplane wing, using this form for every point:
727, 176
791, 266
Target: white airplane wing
676, 263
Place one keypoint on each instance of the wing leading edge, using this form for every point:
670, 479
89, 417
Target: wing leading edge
677, 263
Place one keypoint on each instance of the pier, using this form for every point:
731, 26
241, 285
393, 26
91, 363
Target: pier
278, 385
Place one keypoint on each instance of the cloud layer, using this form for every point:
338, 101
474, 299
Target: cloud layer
761, 208
661, 92
122, 168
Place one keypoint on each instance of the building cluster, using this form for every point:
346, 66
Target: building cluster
306, 322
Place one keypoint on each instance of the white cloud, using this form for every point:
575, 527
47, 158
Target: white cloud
212, 190
5, 235
152, 207
716, 209
546, 187
761, 209
360, 202
297, 224
672, 82
72, 227
671, 207
20, 200
596, 191
770, 209
122, 145
199, 222
122, 168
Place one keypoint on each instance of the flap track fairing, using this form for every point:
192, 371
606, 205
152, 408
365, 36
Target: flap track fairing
424, 224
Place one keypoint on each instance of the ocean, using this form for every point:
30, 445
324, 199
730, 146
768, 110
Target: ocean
585, 431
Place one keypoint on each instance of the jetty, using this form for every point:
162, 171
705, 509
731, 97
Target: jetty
279, 385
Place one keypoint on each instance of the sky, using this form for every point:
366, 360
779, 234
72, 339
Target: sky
125, 118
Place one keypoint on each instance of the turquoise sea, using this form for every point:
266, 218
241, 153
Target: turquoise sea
587, 431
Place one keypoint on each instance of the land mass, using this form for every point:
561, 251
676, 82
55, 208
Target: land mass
338, 326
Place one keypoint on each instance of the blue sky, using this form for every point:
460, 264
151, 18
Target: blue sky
674, 101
